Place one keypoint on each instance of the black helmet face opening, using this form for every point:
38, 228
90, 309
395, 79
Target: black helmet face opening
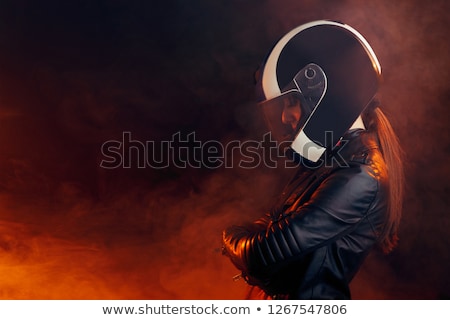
286, 114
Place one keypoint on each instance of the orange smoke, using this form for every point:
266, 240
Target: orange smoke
81, 249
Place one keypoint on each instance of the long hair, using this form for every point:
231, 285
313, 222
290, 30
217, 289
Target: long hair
377, 123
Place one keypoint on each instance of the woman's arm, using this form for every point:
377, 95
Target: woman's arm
335, 208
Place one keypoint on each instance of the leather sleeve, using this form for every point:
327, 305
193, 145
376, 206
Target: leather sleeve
334, 209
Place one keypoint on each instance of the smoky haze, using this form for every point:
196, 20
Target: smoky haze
75, 75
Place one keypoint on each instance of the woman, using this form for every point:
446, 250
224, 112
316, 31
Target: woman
317, 88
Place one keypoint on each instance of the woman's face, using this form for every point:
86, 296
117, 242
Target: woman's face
292, 112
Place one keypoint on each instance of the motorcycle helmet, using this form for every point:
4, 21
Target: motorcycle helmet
324, 73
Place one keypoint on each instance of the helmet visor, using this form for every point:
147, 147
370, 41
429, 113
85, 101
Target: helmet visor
284, 115
287, 113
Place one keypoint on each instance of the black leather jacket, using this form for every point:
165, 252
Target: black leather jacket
315, 239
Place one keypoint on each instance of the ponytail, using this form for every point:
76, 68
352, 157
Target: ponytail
377, 123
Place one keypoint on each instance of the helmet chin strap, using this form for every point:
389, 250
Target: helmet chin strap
358, 124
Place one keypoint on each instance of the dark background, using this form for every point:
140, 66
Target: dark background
75, 74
